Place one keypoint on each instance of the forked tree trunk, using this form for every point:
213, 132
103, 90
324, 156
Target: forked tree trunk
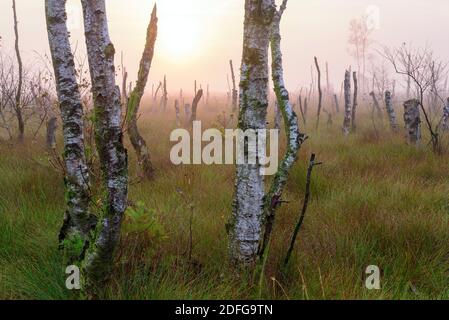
109, 142
78, 222
295, 139
135, 98
355, 101
412, 119
348, 107
244, 227
195, 102
390, 110
320, 94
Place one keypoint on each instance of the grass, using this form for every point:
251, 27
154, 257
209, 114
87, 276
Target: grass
375, 201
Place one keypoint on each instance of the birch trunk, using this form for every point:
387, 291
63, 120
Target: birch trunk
78, 222
109, 143
348, 107
412, 119
445, 118
355, 103
295, 139
390, 111
245, 225
135, 98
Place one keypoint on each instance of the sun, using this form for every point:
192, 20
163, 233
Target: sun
179, 38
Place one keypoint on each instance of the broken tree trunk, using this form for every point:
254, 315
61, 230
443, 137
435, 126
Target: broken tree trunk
52, 126
135, 98
234, 89
195, 102
295, 139
165, 95
348, 111
337, 106
390, 111
445, 118
244, 227
177, 112
109, 142
376, 104
412, 119
320, 94
355, 101
78, 222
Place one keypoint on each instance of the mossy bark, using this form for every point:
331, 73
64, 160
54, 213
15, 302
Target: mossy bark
78, 221
109, 142
137, 141
244, 227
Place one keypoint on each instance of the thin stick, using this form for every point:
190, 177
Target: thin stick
312, 164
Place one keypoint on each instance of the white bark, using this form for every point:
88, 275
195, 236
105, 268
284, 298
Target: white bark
108, 133
77, 220
391, 112
348, 106
245, 225
412, 119
445, 118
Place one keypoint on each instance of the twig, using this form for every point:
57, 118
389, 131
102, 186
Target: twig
312, 164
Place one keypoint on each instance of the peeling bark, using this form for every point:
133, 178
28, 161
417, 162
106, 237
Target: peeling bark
412, 119
295, 139
390, 111
135, 99
244, 228
348, 107
109, 143
78, 222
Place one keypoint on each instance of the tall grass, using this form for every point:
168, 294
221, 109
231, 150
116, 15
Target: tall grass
375, 201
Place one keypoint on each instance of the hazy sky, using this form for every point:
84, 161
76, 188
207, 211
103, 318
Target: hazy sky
198, 37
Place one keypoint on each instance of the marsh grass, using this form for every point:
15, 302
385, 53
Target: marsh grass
375, 201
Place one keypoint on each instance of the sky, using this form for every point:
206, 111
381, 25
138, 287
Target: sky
197, 38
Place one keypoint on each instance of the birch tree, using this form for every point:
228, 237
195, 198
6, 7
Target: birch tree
244, 228
273, 199
78, 222
109, 143
348, 107
137, 141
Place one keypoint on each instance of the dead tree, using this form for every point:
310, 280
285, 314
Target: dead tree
155, 104
412, 119
376, 104
109, 142
320, 94
337, 106
178, 117
78, 222
165, 95
188, 113
273, 199
18, 97
348, 107
390, 110
52, 126
301, 109
355, 101
135, 99
244, 227
445, 118
195, 103
234, 89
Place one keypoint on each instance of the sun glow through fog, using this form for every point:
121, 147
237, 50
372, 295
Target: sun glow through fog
179, 37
